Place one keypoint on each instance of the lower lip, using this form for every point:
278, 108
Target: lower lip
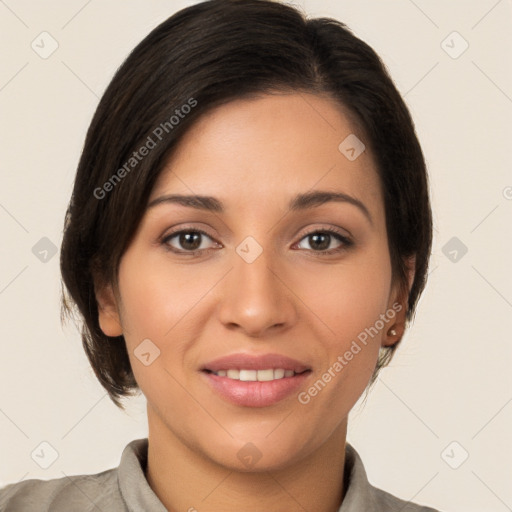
255, 393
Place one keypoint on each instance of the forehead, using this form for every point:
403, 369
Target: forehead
269, 149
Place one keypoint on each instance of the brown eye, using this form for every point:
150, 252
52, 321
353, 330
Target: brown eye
186, 241
192, 241
321, 240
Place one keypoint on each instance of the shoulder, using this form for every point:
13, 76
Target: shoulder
387, 502
109, 490
79, 493
361, 495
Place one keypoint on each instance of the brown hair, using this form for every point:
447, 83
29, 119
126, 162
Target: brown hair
201, 57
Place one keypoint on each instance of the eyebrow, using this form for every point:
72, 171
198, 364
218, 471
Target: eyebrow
298, 203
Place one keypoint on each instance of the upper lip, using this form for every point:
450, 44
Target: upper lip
255, 362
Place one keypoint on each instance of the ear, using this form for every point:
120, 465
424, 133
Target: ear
108, 310
398, 303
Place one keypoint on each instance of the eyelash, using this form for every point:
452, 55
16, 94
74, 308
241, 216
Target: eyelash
347, 243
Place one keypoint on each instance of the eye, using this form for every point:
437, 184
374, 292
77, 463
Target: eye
320, 240
192, 241
189, 241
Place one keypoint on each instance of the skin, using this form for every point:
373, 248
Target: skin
254, 156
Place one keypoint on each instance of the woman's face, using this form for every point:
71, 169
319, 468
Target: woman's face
258, 295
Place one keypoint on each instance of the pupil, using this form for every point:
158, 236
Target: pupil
322, 246
186, 238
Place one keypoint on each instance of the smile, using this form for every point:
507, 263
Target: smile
250, 380
255, 375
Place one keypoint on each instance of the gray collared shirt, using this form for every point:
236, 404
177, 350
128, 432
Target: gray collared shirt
125, 489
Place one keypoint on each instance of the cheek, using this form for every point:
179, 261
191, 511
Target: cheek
161, 302
150, 308
351, 307
156, 295
350, 298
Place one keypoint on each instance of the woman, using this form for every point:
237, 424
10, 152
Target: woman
247, 239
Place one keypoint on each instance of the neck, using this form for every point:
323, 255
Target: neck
184, 479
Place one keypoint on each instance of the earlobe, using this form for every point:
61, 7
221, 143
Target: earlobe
399, 304
108, 313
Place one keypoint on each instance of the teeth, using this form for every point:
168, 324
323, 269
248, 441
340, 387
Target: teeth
234, 374
265, 375
279, 373
246, 375
255, 375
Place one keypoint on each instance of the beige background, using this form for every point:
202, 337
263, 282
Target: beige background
451, 379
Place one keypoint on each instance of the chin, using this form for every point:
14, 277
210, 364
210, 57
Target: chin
262, 452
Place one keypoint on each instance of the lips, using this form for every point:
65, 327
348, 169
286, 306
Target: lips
262, 362
247, 375
255, 381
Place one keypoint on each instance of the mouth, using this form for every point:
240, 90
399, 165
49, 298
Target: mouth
255, 381
247, 375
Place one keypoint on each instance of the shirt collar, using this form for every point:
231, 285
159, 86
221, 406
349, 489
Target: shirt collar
135, 490
359, 496
138, 495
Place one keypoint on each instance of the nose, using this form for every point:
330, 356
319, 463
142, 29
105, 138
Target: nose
256, 298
